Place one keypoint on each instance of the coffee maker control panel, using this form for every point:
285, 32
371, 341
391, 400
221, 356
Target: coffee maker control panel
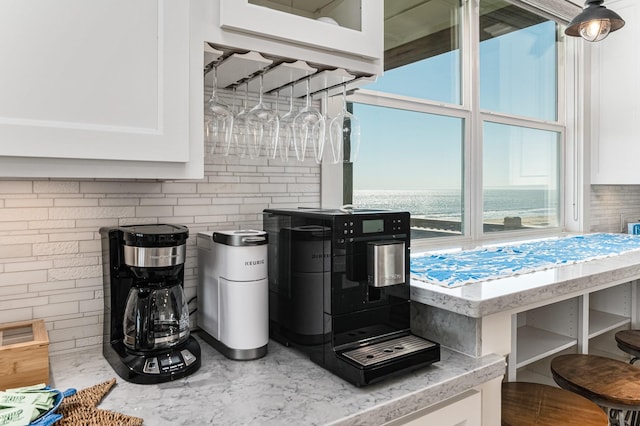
355, 226
166, 363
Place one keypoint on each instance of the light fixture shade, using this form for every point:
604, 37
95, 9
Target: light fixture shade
595, 22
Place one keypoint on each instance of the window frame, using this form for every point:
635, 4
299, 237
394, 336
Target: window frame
469, 110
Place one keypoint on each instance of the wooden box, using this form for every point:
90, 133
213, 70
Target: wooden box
24, 354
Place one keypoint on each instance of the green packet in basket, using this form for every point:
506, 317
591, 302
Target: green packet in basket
31, 405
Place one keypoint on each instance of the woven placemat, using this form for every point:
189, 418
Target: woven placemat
81, 409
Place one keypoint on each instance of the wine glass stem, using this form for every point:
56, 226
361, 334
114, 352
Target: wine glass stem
261, 86
214, 84
291, 99
246, 95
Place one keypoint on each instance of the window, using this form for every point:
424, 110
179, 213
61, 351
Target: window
422, 50
520, 177
413, 162
518, 71
467, 152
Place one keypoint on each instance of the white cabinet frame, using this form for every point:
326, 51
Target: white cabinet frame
240, 15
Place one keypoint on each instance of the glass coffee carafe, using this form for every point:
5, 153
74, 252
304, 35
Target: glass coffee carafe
156, 317
146, 317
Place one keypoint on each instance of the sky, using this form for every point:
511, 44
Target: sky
410, 150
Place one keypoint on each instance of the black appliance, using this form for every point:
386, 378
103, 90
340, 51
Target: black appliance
146, 317
339, 291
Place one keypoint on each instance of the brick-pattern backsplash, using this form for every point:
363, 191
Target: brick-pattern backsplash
50, 252
50, 249
613, 206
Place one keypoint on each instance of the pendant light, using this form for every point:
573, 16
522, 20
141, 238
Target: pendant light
595, 22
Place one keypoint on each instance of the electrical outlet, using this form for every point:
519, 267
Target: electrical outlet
626, 219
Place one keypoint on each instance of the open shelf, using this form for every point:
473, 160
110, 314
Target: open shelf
600, 322
609, 310
535, 344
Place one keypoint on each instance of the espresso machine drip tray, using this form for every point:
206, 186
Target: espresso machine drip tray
388, 350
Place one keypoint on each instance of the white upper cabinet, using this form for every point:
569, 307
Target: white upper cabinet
347, 34
96, 89
615, 110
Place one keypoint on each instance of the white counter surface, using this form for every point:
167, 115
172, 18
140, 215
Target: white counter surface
284, 387
485, 298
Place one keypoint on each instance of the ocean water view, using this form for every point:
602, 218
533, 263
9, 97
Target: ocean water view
534, 206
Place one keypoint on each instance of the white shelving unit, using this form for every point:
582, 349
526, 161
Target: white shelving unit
602, 322
534, 344
569, 325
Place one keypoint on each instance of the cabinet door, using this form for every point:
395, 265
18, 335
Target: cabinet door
87, 80
614, 108
359, 30
461, 410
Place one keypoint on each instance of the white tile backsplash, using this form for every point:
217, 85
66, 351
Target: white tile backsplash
613, 206
50, 250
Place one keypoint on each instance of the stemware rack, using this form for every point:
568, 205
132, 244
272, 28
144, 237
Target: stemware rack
237, 67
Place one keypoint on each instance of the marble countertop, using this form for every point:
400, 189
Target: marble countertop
284, 387
485, 298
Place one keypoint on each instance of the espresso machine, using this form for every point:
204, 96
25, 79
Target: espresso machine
233, 311
146, 318
339, 291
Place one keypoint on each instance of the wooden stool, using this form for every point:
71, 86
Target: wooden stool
613, 385
525, 404
629, 342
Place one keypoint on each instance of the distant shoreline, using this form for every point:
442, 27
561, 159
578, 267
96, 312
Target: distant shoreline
534, 207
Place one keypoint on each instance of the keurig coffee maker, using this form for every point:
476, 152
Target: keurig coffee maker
339, 291
146, 318
232, 292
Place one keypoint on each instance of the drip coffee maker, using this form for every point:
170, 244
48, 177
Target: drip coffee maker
146, 325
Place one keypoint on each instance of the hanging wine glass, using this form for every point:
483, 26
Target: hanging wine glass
286, 130
309, 127
279, 151
327, 120
263, 125
219, 124
344, 132
232, 140
240, 133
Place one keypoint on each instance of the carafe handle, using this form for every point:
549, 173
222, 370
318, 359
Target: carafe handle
144, 337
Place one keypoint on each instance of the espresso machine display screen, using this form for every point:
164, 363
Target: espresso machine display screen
339, 291
371, 226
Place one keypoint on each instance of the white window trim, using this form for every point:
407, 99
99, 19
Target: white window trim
573, 190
